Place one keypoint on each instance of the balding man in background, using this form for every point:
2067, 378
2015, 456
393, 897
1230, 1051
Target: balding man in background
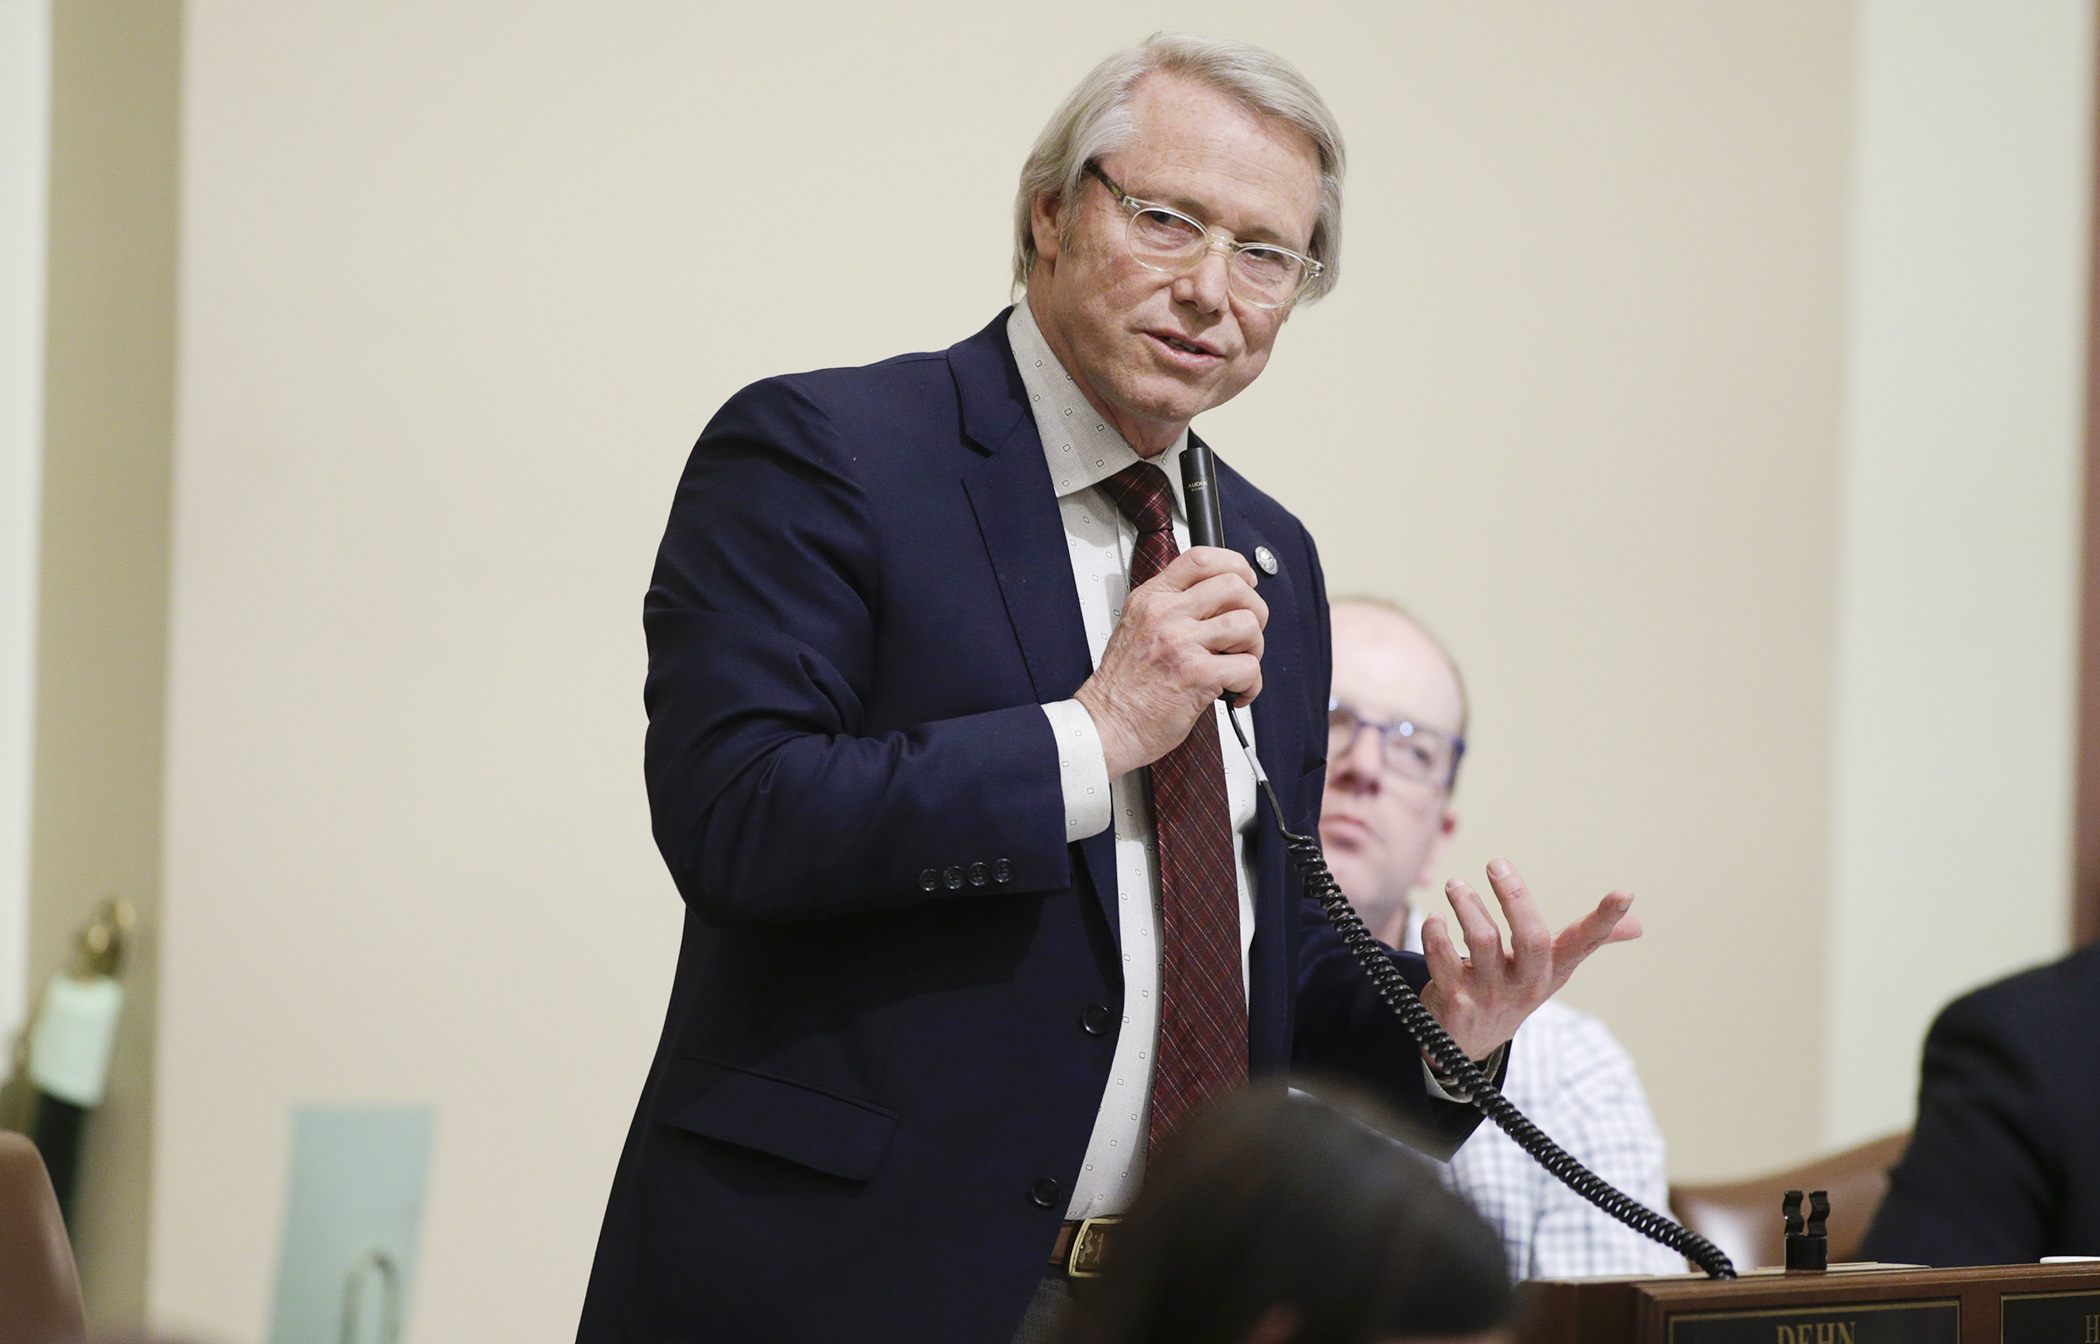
1396, 733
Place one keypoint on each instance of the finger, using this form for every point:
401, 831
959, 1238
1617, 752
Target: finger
1608, 923
1628, 926
1530, 937
1198, 563
1241, 678
1483, 935
1231, 632
1221, 593
1223, 560
1445, 965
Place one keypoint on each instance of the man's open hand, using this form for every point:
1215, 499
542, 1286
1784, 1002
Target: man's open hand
1480, 999
1190, 634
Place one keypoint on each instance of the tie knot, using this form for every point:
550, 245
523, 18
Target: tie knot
1141, 491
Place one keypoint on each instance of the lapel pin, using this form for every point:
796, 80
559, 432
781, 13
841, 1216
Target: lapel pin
1265, 558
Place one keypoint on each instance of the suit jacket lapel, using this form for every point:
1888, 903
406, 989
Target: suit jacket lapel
1278, 728
1279, 733
1015, 505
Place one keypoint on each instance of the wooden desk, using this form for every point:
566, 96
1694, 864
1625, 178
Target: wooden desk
1865, 1304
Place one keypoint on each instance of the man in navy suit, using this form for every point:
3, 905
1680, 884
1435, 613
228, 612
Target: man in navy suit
973, 893
2004, 1166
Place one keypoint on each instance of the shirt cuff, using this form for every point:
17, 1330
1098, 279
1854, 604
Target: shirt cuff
1082, 769
1438, 1090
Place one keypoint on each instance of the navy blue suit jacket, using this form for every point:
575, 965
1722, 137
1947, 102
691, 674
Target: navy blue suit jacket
2004, 1166
894, 1008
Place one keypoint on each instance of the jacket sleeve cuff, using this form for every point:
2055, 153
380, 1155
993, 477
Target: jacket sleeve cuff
1449, 1091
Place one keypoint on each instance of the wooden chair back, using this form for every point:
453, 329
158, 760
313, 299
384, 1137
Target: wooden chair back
1743, 1218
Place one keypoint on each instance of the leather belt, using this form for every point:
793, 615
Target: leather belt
1082, 1247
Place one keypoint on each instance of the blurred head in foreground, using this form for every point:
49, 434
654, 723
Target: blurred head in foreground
1281, 1219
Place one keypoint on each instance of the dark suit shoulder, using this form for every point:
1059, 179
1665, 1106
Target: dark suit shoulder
901, 382
853, 383
1272, 517
2039, 1011
2003, 1165
852, 426
906, 412
847, 394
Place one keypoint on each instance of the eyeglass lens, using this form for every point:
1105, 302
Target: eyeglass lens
1420, 754
1169, 241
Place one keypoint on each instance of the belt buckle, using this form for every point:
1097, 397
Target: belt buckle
1088, 1247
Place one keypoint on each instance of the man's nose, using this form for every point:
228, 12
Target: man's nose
1208, 283
1361, 766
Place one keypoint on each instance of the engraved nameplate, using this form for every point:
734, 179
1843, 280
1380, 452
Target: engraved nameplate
2049, 1318
1867, 1323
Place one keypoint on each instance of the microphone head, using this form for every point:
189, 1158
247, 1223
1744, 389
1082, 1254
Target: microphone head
1199, 487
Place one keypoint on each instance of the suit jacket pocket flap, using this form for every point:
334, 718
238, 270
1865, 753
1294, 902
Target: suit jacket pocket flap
772, 1115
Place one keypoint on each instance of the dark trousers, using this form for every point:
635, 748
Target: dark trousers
1046, 1312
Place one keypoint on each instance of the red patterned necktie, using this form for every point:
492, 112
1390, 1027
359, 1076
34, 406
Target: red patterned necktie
1202, 1050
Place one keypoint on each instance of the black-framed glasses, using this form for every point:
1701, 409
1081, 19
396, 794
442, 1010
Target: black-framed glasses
1424, 755
1163, 239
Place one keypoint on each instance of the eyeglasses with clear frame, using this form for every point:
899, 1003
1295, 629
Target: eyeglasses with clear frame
1163, 239
1424, 755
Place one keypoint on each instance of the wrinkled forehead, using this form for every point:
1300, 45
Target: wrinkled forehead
1199, 149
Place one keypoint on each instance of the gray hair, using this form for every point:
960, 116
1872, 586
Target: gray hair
1095, 119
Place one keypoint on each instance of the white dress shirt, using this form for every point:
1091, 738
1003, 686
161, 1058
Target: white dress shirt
1083, 450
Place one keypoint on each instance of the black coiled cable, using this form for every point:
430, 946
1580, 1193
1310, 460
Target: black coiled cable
1199, 482
1453, 1064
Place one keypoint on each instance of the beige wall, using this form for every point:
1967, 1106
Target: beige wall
1956, 693
459, 282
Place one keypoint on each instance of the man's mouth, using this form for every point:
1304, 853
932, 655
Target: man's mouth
1183, 344
1343, 832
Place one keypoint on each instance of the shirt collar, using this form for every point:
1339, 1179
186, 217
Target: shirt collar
1082, 448
1411, 941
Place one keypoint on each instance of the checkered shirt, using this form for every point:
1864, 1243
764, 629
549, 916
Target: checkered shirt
1577, 1084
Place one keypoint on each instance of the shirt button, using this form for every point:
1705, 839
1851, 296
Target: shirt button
1002, 871
1096, 1020
954, 878
979, 875
1042, 1192
929, 880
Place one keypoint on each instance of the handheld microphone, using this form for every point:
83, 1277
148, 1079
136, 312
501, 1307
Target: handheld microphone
1199, 493
1200, 486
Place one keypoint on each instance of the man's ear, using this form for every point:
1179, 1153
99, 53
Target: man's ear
1433, 861
1045, 214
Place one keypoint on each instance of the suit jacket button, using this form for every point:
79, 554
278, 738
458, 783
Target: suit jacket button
929, 880
954, 878
1096, 1020
1002, 871
979, 875
1043, 1191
